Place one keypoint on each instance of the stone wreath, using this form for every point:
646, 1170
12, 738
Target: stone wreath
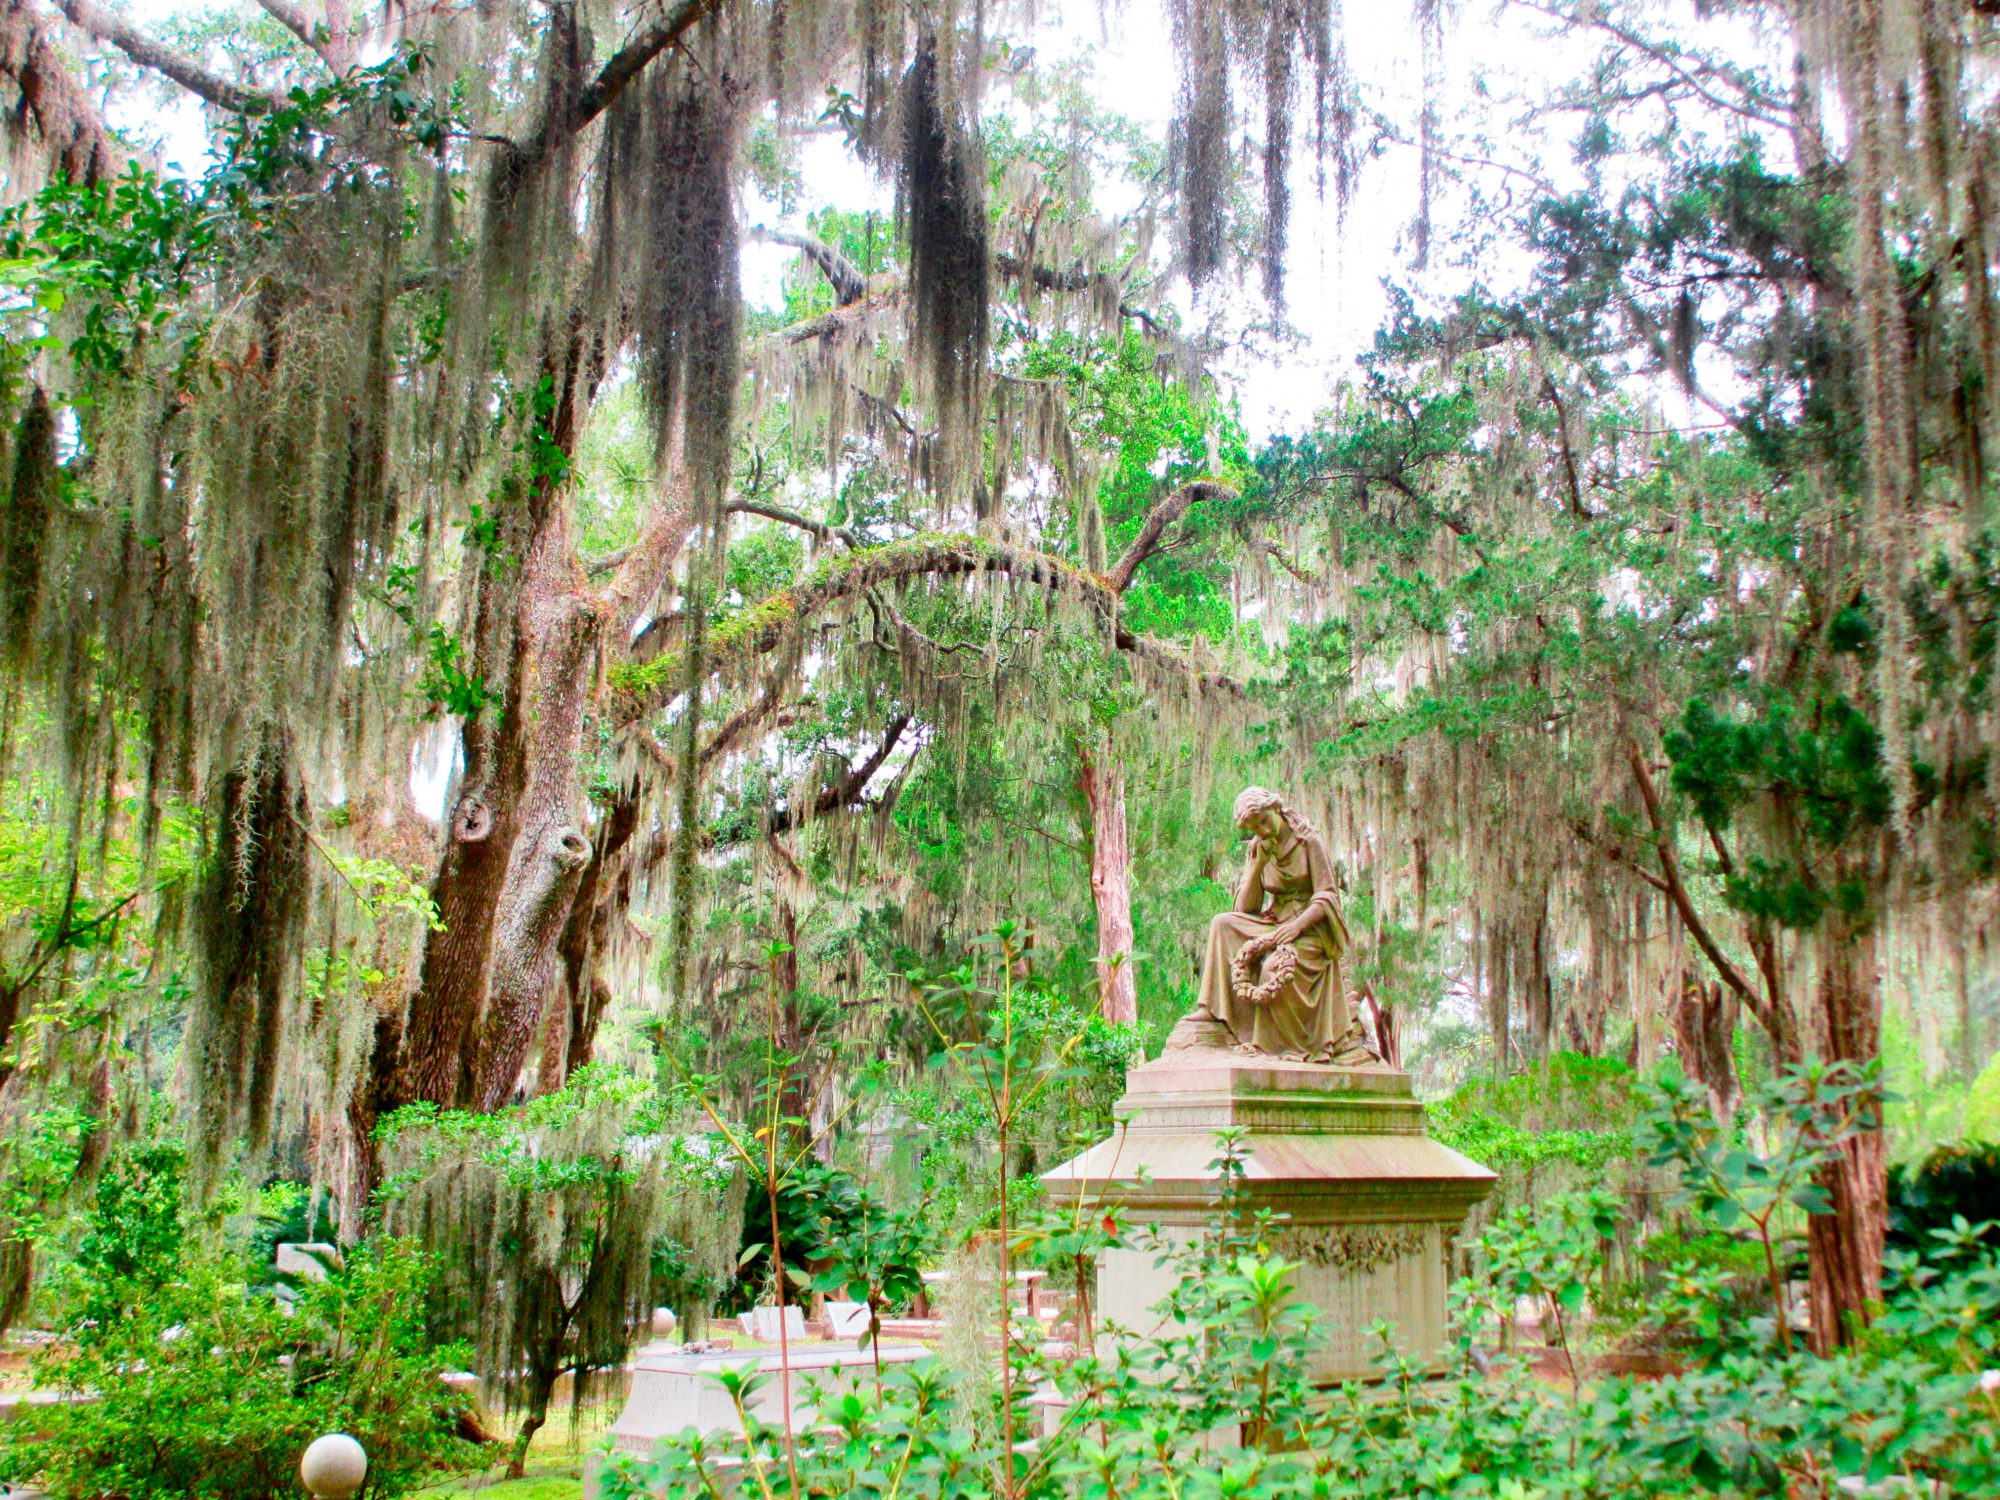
1279, 968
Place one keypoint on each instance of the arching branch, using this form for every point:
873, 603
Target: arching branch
786, 517
1674, 887
885, 291
1075, 279
161, 59
638, 688
626, 64
849, 790
849, 285
736, 728
1163, 515
854, 315
641, 568
318, 37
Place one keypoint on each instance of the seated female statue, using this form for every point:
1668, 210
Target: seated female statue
1273, 974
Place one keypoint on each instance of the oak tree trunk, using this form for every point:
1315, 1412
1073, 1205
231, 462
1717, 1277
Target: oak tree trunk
545, 867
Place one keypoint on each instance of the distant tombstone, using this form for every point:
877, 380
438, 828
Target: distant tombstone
306, 1259
794, 1325
746, 1324
676, 1388
847, 1320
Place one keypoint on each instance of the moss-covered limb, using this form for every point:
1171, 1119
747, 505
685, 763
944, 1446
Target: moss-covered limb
639, 688
563, 120
159, 58
331, 44
639, 570
1163, 515
73, 137
25, 521
786, 517
887, 294
848, 283
851, 790
857, 297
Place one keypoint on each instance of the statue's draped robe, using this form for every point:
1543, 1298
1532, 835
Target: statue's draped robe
1309, 1017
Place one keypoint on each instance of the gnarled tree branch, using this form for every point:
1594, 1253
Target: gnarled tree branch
161, 59
73, 134
1163, 515
638, 688
849, 285
848, 791
300, 25
624, 65
786, 517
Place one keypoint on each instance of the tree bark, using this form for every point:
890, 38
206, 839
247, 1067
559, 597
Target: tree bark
1539, 1001
73, 138
1101, 778
602, 896
546, 865
1704, 1040
1844, 1247
513, 850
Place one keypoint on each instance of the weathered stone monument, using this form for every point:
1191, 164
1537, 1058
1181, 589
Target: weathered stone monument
1333, 1138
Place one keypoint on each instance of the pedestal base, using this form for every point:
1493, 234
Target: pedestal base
1372, 1204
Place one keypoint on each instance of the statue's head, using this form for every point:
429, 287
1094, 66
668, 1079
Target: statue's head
1260, 812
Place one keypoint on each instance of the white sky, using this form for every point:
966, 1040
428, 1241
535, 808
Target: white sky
1336, 267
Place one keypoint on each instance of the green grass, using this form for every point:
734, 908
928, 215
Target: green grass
547, 1479
555, 1459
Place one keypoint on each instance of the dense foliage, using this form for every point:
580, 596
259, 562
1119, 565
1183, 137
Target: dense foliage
1219, 1404
185, 1372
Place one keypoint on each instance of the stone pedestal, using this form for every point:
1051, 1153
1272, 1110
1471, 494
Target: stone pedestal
1372, 1204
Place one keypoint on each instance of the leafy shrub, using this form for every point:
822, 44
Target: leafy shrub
1219, 1405
1077, 1058
875, 1258
1216, 1401
198, 1389
1982, 1104
684, 1282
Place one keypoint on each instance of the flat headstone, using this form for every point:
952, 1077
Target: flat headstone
674, 1389
847, 1320
306, 1258
794, 1325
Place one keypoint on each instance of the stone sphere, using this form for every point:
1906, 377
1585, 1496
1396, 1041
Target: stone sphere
334, 1467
